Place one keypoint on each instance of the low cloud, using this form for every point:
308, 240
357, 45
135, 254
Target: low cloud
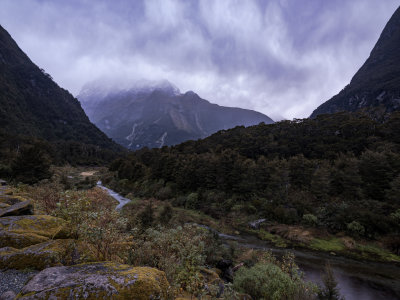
280, 57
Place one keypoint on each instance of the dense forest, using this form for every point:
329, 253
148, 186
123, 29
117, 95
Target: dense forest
28, 159
340, 172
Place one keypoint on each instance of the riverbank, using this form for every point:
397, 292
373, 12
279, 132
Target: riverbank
299, 237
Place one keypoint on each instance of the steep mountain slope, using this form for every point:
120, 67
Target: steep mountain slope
376, 86
32, 104
157, 114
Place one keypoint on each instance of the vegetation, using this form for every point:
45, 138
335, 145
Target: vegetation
330, 290
336, 172
272, 280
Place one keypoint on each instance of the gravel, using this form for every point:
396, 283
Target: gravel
14, 280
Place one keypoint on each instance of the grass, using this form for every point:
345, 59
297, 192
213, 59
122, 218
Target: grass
275, 239
377, 253
331, 245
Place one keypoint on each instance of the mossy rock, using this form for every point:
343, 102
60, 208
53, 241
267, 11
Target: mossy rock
101, 280
23, 231
18, 240
44, 255
11, 200
4, 205
18, 209
210, 276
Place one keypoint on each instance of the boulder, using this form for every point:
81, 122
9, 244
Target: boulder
48, 254
23, 231
256, 224
9, 295
20, 240
11, 200
18, 209
101, 280
4, 205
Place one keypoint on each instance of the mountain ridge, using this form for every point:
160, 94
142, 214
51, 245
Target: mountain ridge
375, 88
154, 117
32, 104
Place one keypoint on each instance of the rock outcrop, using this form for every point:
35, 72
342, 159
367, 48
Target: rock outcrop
40, 242
23, 231
47, 254
103, 280
18, 209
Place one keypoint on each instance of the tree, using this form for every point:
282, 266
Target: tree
321, 181
329, 291
146, 217
31, 165
394, 192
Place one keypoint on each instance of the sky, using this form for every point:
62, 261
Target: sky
280, 57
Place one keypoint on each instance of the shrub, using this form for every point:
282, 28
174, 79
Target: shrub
268, 281
310, 220
179, 252
356, 229
330, 290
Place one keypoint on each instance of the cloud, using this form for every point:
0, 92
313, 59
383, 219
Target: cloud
280, 57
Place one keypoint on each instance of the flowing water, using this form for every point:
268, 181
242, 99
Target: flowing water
357, 280
121, 200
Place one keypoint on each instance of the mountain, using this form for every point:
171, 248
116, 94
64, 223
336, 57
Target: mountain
32, 104
376, 86
155, 114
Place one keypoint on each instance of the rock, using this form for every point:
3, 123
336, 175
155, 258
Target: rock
4, 205
101, 280
44, 255
9, 295
14, 280
18, 209
256, 224
17, 240
11, 200
23, 231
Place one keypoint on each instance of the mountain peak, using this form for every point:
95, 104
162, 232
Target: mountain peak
376, 85
40, 108
105, 87
157, 114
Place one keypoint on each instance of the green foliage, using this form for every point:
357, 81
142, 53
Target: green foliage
331, 245
310, 219
330, 290
146, 217
179, 252
270, 281
166, 214
339, 168
31, 165
356, 229
275, 239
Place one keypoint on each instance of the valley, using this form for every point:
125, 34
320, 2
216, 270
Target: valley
137, 190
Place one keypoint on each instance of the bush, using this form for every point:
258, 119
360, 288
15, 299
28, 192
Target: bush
355, 229
268, 281
93, 219
179, 252
310, 220
330, 290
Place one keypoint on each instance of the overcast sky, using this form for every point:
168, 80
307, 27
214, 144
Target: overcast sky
280, 57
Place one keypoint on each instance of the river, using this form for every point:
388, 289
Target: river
357, 280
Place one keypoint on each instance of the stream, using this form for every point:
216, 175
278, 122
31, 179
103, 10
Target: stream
357, 280
121, 200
